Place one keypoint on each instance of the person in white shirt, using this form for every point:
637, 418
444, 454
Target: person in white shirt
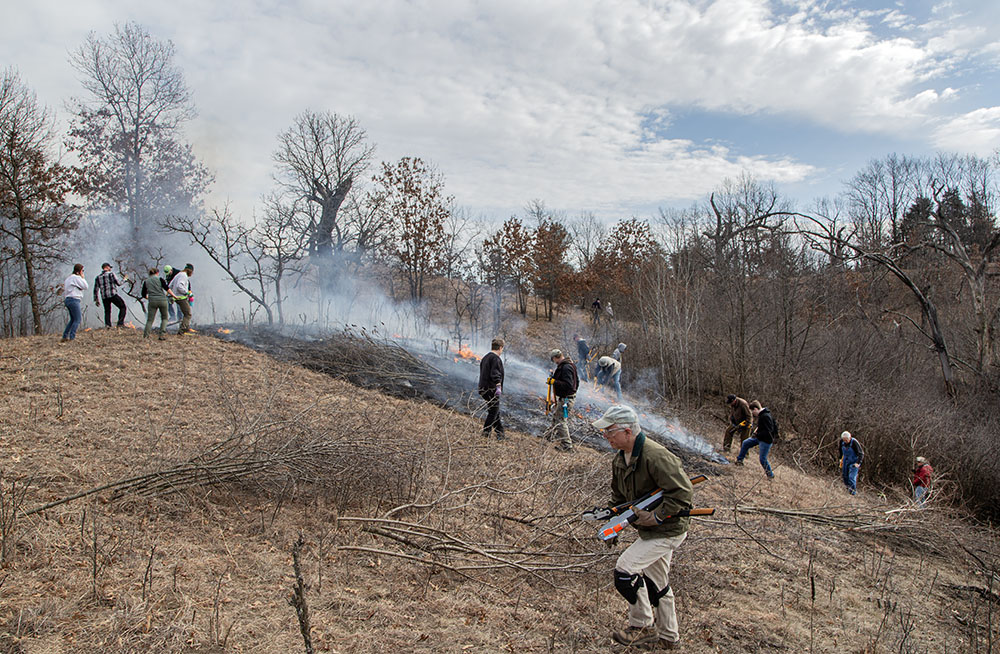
73, 289
180, 290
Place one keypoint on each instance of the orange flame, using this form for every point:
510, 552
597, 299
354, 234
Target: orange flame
465, 353
225, 331
130, 325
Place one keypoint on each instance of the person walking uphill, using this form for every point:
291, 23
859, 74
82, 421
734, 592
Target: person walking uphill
642, 572
565, 382
582, 355
107, 284
180, 290
851, 456
491, 387
922, 472
155, 290
73, 289
739, 421
767, 431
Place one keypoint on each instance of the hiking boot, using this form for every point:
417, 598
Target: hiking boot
770, 477
663, 643
635, 636
564, 447
161, 337
738, 462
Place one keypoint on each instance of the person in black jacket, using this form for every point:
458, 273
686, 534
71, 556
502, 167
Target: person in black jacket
491, 387
582, 355
763, 438
564, 384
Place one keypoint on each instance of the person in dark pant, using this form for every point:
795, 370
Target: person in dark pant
851, 456
739, 421
564, 385
73, 289
582, 356
491, 387
107, 285
763, 438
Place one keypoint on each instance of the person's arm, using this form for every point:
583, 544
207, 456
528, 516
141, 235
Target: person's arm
142, 292
95, 290
857, 450
677, 489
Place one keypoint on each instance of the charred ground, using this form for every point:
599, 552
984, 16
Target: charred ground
419, 536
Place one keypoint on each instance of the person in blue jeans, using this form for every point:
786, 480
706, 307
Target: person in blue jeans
73, 289
851, 456
763, 438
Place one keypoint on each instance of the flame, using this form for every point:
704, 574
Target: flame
225, 331
130, 325
88, 329
465, 353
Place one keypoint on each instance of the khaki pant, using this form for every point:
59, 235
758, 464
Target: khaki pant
741, 433
185, 308
560, 424
651, 557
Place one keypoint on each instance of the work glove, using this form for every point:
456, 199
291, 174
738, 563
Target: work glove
646, 518
499, 391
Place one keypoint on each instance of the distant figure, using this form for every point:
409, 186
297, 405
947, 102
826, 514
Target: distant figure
739, 421
922, 472
154, 288
608, 310
851, 457
617, 354
180, 290
582, 356
73, 289
491, 387
595, 308
609, 372
107, 283
763, 438
565, 383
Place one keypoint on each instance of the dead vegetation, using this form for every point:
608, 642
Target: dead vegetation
415, 534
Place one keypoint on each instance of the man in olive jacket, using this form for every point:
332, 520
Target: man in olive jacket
640, 467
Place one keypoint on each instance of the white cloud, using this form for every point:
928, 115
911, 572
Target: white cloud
519, 99
977, 132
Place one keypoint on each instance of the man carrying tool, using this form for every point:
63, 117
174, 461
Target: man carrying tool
582, 355
564, 385
491, 387
609, 371
180, 290
642, 572
851, 456
763, 438
739, 421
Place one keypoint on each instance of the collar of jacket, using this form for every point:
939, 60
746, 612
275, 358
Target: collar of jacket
640, 440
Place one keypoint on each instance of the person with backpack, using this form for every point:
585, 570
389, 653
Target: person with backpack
763, 438
851, 456
565, 383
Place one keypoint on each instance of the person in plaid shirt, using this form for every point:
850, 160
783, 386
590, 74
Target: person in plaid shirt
107, 285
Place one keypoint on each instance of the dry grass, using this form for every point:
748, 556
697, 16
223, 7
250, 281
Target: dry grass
210, 570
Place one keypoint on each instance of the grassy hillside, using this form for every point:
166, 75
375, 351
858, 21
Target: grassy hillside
419, 536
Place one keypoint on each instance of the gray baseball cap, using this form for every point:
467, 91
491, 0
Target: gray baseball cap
617, 414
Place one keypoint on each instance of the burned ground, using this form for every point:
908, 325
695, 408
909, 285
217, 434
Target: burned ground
419, 536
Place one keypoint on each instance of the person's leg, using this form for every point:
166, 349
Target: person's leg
120, 303
918, 494
492, 413
844, 475
745, 447
150, 317
658, 583
563, 429
853, 478
618, 384
107, 311
75, 317
642, 555
727, 438
765, 448
185, 309
164, 318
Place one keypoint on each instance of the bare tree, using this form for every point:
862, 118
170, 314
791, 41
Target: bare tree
587, 235
126, 135
878, 197
320, 158
34, 211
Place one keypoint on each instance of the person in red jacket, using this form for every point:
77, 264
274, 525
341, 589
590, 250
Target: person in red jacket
922, 472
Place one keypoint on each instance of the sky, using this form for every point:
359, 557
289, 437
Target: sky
616, 107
